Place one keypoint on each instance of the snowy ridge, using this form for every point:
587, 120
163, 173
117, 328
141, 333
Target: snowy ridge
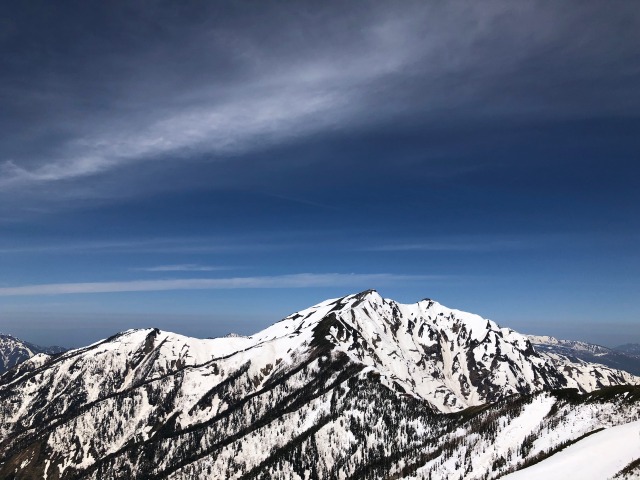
450, 358
586, 376
572, 344
14, 351
610, 450
575, 352
354, 385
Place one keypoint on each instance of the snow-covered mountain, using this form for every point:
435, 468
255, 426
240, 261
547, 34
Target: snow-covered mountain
14, 351
580, 352
356, 387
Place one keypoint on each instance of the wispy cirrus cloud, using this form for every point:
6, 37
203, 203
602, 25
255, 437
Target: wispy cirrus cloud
264, 103
241, 80
301, 280
219, 129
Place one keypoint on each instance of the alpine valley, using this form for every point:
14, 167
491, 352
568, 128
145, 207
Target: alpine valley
356, 387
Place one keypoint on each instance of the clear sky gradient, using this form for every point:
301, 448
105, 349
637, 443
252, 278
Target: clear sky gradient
212, 167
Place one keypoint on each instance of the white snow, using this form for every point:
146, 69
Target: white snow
596, 457
429, 350
513, 434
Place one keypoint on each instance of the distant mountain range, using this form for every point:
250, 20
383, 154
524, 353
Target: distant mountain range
14, 351
629, 349
355, 387
625, 357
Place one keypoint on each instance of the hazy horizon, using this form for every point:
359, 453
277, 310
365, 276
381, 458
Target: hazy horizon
76, 331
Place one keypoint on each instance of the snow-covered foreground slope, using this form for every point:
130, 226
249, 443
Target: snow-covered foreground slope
357, 387
596, 457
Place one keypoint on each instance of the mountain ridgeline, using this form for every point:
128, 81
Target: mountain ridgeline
356, 387
624, 357
14, 351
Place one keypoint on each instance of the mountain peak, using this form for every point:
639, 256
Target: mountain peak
176, 403
370, 291
369, 294
449, 358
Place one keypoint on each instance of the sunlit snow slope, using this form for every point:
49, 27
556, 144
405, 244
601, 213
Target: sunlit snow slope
597, 457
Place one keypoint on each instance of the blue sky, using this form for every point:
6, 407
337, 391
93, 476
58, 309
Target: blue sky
213, 168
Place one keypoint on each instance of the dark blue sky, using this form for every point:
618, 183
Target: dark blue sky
208, 168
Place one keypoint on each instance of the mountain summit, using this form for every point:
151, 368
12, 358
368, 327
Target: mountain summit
153, 404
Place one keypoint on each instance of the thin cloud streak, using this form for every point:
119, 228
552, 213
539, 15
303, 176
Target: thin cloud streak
160, 245
301, 280
189, 267
480, 246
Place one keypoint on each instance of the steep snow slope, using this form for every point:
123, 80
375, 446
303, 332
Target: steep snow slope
450, 358
596, 457
152, 404
514, 434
